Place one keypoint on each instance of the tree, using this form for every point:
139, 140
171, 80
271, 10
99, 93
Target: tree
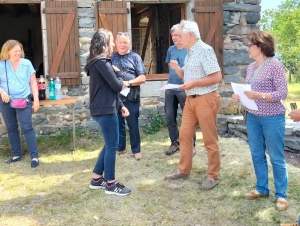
284, 24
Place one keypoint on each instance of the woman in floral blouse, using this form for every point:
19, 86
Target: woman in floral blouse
266, 126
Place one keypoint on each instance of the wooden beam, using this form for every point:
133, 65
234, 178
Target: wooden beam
213, 28
147, 34
12, 9
139, 9
157, 77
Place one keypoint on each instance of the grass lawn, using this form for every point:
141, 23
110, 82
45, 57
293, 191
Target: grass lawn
57, 192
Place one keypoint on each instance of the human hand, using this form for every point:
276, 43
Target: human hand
235, 98
173, 64
124, 112
125, 84
252, 95
116, 69
295, 115
5, 97
36, 105
186, 86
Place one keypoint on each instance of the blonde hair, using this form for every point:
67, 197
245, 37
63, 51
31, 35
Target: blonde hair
9, 45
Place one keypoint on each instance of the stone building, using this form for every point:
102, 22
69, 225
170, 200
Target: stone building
58, 34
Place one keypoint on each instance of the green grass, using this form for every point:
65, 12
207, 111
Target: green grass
57, 193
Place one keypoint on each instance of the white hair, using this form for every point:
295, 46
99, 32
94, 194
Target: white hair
175, 27
190, 26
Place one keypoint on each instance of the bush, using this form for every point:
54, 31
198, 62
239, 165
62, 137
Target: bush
157, 122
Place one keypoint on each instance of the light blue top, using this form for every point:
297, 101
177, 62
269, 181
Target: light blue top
179, 55
18, 81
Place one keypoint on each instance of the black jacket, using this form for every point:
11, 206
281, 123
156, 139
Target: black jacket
105, 85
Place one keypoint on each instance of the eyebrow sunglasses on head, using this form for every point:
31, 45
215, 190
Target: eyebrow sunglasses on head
123, 33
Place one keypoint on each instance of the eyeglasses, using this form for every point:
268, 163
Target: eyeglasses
123, 33
249, 45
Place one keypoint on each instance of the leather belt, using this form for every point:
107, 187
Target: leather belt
194, 96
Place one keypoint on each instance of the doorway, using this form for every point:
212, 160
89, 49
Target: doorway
22, 22
151, 24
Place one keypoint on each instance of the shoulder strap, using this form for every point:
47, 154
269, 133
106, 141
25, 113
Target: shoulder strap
119, 61
6, 79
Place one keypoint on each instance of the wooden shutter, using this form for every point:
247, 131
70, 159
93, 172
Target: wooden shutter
112, 15
63, 41
209, 17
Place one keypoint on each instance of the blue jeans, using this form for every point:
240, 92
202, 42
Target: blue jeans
133, 125
268, 133
107, 159
11, 117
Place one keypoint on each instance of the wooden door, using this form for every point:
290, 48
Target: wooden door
112, 15
209, 17
63, 41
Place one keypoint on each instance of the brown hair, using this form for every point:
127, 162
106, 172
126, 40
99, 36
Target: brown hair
7, 46
264, 40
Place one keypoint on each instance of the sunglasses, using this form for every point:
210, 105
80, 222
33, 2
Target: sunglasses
123, 33
249, 45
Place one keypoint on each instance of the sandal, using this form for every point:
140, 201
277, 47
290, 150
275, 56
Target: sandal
13, 160
255, 195
290, 224
281, 204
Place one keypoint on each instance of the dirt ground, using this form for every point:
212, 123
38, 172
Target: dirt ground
292, 158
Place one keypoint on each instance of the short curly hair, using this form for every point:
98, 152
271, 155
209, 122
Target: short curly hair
264, 40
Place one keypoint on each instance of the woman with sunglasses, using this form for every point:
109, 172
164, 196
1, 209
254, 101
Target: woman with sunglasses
266, 126
105, 85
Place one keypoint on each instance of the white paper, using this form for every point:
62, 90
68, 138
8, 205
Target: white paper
125, 91
169, 86
282, 102
239, 90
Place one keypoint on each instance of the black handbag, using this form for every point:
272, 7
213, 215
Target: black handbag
134, 93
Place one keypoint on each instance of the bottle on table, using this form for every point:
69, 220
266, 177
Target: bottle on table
58, 93
42, 88
51, 89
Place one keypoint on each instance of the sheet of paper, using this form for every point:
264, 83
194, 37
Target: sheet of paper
125, 91
282, 102
169, 86
239, 90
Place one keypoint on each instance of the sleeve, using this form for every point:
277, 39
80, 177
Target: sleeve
210, 64
139, 66
168, 57
115, 82
279, 82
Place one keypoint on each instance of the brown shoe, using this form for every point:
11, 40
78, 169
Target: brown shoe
254, 195
121, 152
138, 156
282, 204
290, 224
172, 149
176, 176
209, 183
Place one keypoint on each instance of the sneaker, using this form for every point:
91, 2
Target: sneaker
97, 184
173, 148
117, 189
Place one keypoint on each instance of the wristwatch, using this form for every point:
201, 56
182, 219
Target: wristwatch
130, 83
264, 96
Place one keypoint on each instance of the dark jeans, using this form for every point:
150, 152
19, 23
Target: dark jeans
11, 116
107, 159
133, 125
172, 99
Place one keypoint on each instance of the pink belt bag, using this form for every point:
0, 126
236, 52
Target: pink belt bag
18, 102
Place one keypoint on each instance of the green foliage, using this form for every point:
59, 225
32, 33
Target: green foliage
284, 24
157, 122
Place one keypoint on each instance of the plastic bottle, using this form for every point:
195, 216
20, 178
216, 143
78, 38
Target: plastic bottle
51, 89
42, 88
58, 93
